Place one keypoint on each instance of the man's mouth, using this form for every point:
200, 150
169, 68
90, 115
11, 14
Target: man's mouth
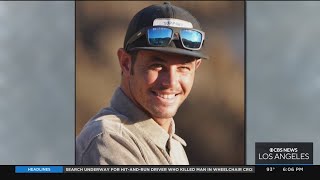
165, 95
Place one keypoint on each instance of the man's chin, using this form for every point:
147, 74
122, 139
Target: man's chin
163, 114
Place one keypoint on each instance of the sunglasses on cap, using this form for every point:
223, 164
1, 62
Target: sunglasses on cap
161, 36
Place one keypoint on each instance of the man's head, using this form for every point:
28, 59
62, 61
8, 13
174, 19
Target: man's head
162, 50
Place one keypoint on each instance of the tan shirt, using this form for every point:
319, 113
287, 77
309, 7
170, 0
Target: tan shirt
122, 134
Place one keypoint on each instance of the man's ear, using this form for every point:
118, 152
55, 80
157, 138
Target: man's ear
124, 61
198, 62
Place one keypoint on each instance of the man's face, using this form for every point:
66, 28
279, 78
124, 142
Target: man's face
160, 82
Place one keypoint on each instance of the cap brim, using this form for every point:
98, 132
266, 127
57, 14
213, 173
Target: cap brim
196, 54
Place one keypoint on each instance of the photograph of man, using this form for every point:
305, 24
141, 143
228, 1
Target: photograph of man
160, 56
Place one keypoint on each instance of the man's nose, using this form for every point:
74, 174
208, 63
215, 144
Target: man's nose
169, 78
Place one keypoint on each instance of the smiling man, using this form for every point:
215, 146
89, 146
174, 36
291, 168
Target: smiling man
162, 50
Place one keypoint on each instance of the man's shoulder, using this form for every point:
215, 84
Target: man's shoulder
104, 133
106, 121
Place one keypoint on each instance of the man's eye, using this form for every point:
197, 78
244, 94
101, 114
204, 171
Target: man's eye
184, 68
157, 66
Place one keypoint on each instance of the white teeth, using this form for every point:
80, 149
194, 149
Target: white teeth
166, 96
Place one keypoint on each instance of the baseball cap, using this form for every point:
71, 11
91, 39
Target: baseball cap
164, 14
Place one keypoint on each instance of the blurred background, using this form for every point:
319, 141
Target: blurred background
37, 72
283, 74
211, 120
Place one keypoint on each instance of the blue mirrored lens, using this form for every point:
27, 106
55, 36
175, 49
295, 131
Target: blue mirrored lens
159, 36
191, 38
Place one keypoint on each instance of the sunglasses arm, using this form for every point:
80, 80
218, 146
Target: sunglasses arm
136, 36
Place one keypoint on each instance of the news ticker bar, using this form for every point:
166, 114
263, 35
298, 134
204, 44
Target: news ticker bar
134, 169
165, 169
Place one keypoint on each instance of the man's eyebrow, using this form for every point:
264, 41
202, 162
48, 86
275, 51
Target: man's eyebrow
157, 59
188, 61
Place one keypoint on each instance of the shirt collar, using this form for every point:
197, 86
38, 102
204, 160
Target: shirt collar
121, 103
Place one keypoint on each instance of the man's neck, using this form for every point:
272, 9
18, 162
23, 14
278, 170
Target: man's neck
164, 123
